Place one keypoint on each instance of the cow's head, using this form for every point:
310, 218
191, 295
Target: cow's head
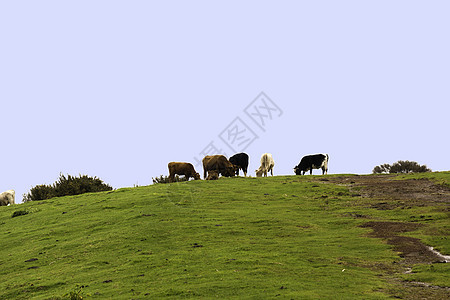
196, 176
259, 172
229, 171
297, 170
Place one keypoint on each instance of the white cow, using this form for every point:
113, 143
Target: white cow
267, 164
7, 198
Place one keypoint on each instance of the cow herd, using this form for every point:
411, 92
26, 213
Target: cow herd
216, 165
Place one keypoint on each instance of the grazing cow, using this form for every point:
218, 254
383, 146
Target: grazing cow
240, 161
267, 165
182, 168
7, 198
212, 175
218, 163
310, 162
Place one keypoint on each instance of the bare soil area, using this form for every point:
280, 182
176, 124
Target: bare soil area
400, 193
412, 250
385, 192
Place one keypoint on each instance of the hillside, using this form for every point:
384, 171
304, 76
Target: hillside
287, 237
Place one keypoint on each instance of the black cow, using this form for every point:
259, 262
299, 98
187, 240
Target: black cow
240, 160
310, 162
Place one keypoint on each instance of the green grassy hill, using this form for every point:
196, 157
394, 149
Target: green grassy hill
286, 237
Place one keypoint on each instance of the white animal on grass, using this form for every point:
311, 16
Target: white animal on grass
7, 198
267, 165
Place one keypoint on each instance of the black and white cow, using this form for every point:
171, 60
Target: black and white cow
310, 162
240, 160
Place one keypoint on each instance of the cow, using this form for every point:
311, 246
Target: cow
218, 163
182, 168
310, 162
240, 161
212, 175
267, 165
7, 198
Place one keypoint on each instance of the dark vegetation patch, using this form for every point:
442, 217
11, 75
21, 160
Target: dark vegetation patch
67, 186
402, 166
166, 179
21, 212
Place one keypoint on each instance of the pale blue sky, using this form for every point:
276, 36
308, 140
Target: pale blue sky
117, 89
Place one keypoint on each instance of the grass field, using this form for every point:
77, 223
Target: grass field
283, 237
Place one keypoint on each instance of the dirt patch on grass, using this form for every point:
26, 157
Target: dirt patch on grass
399, 193
385, 192
412, 250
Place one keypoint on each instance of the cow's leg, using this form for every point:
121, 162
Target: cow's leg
271, 171
310, 171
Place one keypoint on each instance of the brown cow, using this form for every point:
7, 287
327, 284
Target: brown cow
182, 168
218, 163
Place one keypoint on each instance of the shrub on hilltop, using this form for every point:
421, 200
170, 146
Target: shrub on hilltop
165, 179
402, 166
66, 186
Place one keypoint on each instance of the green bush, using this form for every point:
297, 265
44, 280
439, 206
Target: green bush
384, 168
402, 166
66, 186
40, 192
